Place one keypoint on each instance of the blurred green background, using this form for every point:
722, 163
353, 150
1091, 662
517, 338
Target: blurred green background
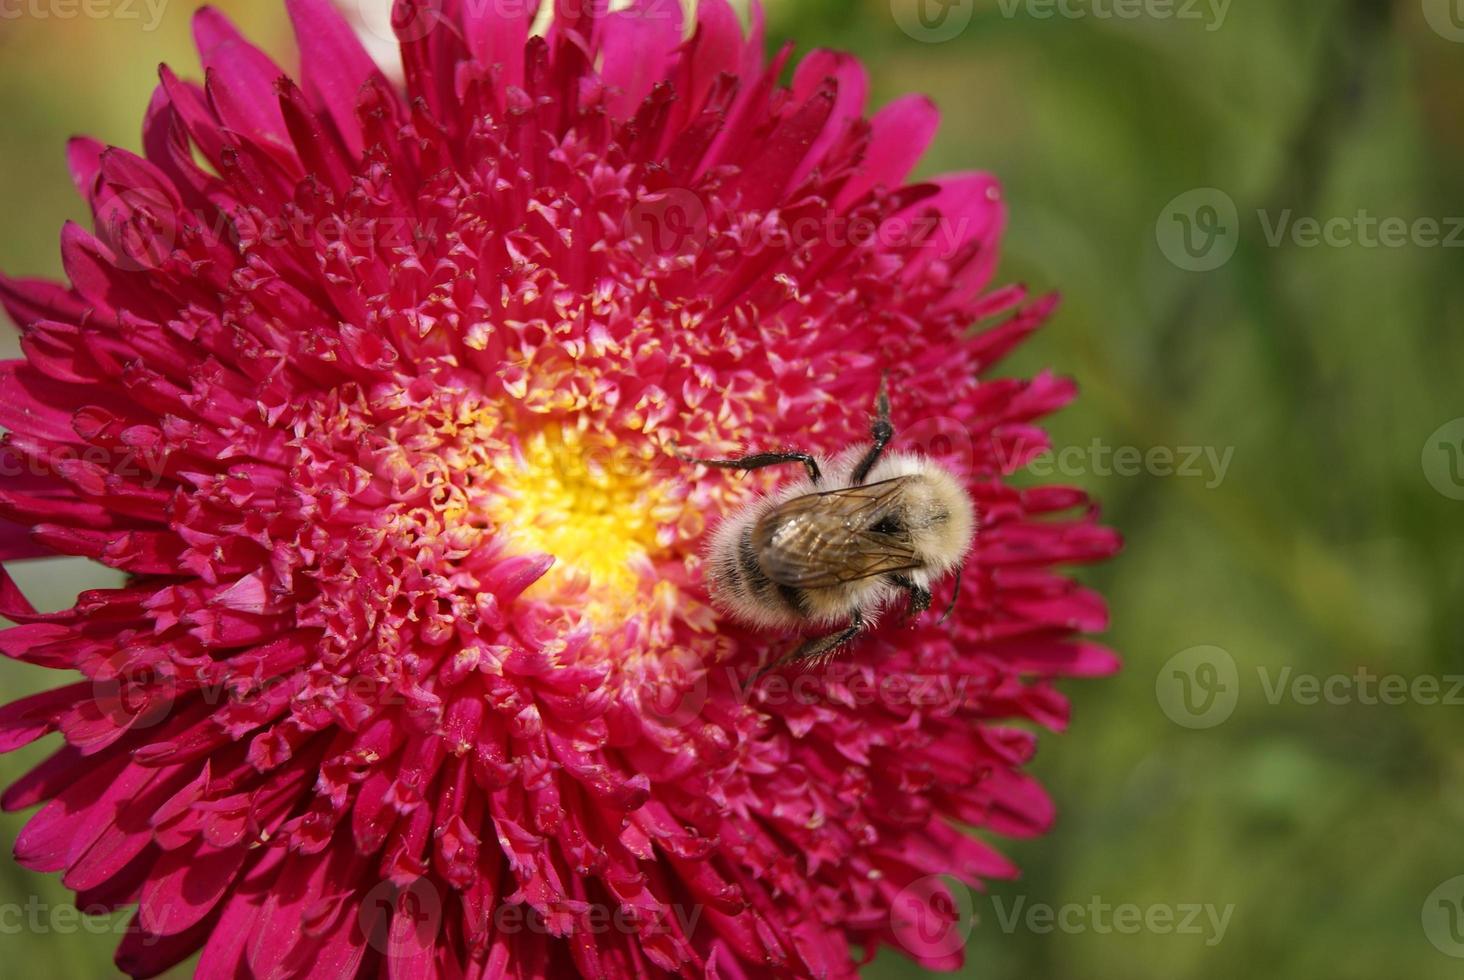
1320, 370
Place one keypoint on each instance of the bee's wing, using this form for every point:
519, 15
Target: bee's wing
827, 539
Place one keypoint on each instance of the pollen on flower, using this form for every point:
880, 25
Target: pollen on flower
592, 503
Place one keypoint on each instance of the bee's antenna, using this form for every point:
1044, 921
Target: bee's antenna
880, 432
954, 596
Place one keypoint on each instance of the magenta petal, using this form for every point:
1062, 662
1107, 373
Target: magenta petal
900, 133
24, 721
973, 217
44, 782
84, 155
341, 951
578, 15
25, 643
29, 300
496, 33
90, 266
57, 350
280, 925
637, 43
68, 823
142, 954
241, 79
224, 952
719, 47
334, 66
128, 833
189, 102
186, 885
853, 90
16, 543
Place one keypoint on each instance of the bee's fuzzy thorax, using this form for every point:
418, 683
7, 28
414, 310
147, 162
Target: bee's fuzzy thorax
945, 524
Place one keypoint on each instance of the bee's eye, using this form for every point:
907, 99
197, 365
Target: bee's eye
888, 524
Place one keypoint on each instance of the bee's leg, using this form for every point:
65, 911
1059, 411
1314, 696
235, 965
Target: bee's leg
759, 460
956, 594
881, 432
818, 648
920, 597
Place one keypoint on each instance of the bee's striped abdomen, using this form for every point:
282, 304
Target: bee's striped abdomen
748, 580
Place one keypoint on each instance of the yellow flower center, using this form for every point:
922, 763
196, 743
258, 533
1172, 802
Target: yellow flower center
592, 503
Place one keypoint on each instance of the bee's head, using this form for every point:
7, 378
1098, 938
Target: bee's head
939, 516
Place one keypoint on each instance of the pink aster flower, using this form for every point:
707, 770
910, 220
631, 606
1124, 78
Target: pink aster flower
372, 392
